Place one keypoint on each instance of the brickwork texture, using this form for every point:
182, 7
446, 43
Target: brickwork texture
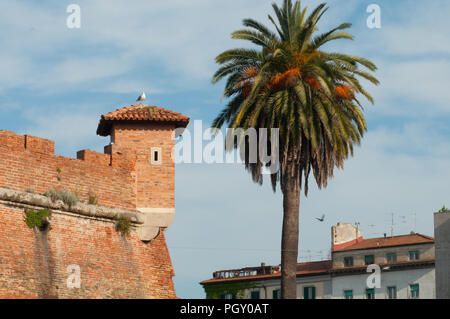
34, 263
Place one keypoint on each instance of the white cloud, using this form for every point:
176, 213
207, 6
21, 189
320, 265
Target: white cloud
177, 38
416, 40
80, 70
421, 86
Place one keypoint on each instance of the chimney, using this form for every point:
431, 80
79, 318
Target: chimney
142, 139
344, 234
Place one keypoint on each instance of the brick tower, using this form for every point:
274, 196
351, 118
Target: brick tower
143, 136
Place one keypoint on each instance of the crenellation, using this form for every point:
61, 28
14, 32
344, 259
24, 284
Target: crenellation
12, 140
94, 157
39, 145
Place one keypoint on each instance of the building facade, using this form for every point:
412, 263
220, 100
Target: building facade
442, 235
401, 267
313, 282
104, 213
405, 267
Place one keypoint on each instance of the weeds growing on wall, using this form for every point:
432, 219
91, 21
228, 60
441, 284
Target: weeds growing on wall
123, 225
58, 176
69, 198
37, 218
92, 198
443, 209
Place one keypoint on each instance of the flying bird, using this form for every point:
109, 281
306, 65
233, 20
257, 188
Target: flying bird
141, 97
321, 219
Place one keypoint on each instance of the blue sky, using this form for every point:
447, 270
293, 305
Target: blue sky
55, 82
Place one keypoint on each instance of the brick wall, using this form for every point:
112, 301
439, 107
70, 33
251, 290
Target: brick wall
29, 163
155, 183
33, 263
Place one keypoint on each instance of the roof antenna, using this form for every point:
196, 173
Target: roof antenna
392, 226
357, 230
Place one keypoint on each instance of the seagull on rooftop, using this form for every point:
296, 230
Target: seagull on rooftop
141, 97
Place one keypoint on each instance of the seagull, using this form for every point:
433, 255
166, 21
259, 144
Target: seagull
321, 219
141, 97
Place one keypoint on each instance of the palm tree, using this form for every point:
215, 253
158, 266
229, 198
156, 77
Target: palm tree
289, 82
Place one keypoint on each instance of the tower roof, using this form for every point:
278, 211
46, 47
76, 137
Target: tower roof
140, 113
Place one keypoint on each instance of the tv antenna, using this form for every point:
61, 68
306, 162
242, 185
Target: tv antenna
357, 230
392, 226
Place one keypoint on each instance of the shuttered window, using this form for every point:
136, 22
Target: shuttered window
392, 292
254, 294
414, 291
348, 294
369, 259
414, 255
391, 257
348, 261
276, 294
370, 293
309, 292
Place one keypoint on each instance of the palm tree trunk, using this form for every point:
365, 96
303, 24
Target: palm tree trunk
289, 240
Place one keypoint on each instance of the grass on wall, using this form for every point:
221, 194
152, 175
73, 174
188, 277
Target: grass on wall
37, 218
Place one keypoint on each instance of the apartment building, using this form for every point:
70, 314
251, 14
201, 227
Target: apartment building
313, 282
405, 264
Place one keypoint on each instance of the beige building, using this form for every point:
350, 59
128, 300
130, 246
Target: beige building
405, 266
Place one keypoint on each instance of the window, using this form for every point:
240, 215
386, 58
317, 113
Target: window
155, 156
309, 292
228, 296
392, 292
414, 255
254, 294
348, 261
414, 291
276, 294
369, 259
391, 257
370, 293
348, 294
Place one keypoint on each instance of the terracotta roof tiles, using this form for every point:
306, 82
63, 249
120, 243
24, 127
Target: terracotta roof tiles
411, 239
140, 112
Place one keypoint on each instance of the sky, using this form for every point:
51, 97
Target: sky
55, 82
